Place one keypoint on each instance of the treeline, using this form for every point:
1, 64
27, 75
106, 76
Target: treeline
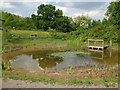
12, 21
49, 18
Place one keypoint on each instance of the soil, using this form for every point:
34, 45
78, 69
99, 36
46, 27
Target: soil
9, 83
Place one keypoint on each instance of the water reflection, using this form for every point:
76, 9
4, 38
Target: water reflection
41, 59
108, 57
49, 62
25, 62
32, 60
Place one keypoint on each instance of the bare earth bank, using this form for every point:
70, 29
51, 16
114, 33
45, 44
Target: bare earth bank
10, 83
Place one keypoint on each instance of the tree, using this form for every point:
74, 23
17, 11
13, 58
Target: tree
10, 20
46, 12
63, 24
48, 17
96, 23
83, 21
113, 13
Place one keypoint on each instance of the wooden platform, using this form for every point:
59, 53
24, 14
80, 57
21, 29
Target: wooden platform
98, 47
93, 50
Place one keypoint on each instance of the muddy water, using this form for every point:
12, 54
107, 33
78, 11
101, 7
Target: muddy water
35, 60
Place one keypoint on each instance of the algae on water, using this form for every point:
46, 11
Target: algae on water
65, 54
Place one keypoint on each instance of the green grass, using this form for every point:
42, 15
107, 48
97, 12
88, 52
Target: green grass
43, 39
26, 33
29, 78
107, 81
42, 42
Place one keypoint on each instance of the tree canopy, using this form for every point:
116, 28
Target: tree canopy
113, 12
48, 17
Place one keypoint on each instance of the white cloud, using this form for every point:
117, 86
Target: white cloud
64, 9
69, 9
57, 0
70, 4
88, 13
18, 14
6, 5
35, 13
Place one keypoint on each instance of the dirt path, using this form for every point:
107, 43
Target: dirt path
9, 83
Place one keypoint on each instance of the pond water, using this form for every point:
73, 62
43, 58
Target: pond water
36, 60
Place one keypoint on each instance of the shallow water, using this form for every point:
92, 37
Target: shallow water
36, 60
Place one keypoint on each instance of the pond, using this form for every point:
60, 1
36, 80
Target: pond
37, 60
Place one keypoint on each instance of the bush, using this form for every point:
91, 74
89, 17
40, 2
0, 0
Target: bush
6, 34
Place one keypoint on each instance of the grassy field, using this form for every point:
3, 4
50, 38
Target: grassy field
26, 34
23, 39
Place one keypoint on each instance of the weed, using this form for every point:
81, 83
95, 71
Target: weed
46, 70
70, 70
111, 81
6, 66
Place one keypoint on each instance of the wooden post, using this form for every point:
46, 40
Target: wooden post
102, 54
88, 42
103, 43
110, 42
110, 53
95, 43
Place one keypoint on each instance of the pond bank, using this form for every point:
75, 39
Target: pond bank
80, 76
10, 83
107, 76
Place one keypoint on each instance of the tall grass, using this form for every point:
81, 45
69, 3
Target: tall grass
0, 41
43, 39
23, 39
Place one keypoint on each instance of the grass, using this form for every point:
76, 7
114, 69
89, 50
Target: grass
26, 77
25, 33
43, 39
108, 82
41, 42
68, 77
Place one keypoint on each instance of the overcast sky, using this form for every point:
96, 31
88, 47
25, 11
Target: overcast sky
94, 10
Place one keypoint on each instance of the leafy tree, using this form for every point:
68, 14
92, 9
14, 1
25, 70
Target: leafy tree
63, 24
96, 23
48, 17
46, 12
10, 20
113, 12
45, 15
1, 20
83, 21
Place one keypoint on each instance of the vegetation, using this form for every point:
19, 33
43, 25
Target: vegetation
64, 54
49, 28
21, 38
51, 20
52, 77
